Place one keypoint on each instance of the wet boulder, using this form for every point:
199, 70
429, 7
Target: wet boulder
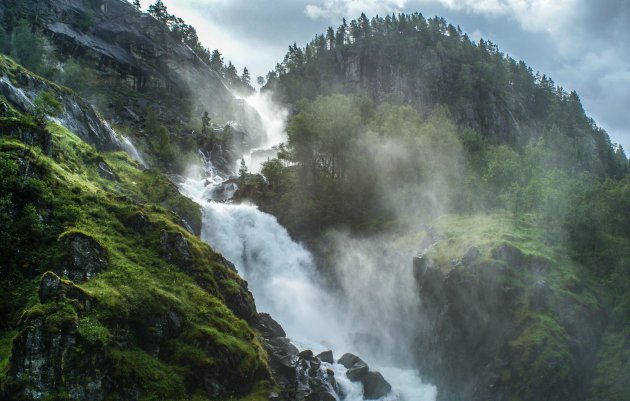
348, 360
374, 386
326, 356
269, 327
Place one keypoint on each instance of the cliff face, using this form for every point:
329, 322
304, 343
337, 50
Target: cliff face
505, 315
136, 60
21, 89
431, 65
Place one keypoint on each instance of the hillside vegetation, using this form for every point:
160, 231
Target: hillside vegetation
104, 290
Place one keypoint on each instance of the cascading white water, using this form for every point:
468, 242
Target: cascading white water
132, 151
274, 123
283, 279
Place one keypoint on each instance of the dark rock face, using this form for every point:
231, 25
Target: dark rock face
106, 172
298, 373
466, 344
84, 258
268, 327
175, 248
77, 115
43, 357
326, 356
374, 384
53, 288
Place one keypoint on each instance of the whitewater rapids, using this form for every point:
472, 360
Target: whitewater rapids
284, 281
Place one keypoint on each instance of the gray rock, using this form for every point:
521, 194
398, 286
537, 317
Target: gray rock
49, 287
357, 371
306, 354
53, 289
374, 386
85, 257
268, 327
348, 360
326, 356
175, 248
106, 172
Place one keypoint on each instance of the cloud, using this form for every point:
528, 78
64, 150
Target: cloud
334, 10
533, 15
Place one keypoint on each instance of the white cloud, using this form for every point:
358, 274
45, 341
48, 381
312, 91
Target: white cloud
533, 15
334, 10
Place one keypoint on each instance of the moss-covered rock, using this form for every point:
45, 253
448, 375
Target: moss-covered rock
157, 314
504, 318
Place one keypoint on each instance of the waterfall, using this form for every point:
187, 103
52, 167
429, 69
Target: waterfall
132, 151
284, 281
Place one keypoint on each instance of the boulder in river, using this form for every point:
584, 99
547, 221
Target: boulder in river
326, 356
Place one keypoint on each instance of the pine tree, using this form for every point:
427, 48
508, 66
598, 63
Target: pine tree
342, 31
160, 12
216, 62
260, 81
136, 4
242, 171
330, 37
231, 74
205, 124
246, 79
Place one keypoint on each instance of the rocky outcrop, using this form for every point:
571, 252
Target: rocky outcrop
374, 384
43, 358
300, 375
494, 322
84, 257
22, 88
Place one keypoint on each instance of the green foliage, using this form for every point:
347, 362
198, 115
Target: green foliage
159, 140
345, 157
6, 341
93, 332
46, 104
78, 77
485, 90
47, 195
157, 380
28, 47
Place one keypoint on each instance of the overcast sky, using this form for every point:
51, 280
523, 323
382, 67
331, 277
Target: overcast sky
584, 45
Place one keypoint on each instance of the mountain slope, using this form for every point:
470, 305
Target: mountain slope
407, 59
106, 294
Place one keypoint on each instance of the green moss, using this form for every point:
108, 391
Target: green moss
57, 315
6, 343
93, 332
155, 380
139, 284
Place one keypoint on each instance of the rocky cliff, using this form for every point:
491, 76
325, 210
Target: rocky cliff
136, 64
505, 316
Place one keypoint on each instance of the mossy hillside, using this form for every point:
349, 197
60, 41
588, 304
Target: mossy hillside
550, 290
128, 216
6, 341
